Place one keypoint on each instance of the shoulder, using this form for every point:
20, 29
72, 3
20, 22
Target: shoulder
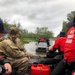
57, 39
5, 41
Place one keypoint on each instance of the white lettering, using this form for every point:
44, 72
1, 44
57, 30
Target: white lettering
69, 41
72, 31
70, 36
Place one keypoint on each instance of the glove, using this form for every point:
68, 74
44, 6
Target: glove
43, 61
50, 54
51, 51
40, 62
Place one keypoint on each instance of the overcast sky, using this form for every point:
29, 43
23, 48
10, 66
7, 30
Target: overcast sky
37, 13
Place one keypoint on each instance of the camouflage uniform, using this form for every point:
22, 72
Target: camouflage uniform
14, 51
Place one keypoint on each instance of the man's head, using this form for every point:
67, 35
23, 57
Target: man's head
62, 34
71, 23
13, 32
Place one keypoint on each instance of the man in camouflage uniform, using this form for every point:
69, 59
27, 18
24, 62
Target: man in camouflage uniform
15, 52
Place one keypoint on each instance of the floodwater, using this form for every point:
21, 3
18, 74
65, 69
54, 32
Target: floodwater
31, 48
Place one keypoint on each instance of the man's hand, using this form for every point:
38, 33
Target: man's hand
8, 68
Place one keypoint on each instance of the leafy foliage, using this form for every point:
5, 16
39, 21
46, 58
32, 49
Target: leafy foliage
26, 37
39, 32
44, 32
70, 16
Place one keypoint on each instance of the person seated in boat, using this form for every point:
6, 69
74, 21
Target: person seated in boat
3, 61
69, 50
5, 66
14, 52
41, 40
55, 57
58, 45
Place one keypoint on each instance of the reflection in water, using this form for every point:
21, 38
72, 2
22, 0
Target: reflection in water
31, 48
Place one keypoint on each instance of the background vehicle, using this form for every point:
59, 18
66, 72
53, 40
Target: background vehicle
42, 47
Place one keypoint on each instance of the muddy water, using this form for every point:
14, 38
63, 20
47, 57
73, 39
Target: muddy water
31, 48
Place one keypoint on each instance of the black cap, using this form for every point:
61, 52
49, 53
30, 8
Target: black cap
71, 23
1, 25
14, 31
62, 34
4, 30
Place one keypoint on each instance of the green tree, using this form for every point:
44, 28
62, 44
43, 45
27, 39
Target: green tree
70, 16
44, 32
64, 28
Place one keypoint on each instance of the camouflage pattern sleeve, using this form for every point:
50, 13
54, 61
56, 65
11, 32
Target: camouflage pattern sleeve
8, 49
19, 44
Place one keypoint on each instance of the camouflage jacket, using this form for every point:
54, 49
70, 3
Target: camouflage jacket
12, 49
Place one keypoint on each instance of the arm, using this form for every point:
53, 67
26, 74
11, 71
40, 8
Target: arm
11, 51
7, 66
55, 46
